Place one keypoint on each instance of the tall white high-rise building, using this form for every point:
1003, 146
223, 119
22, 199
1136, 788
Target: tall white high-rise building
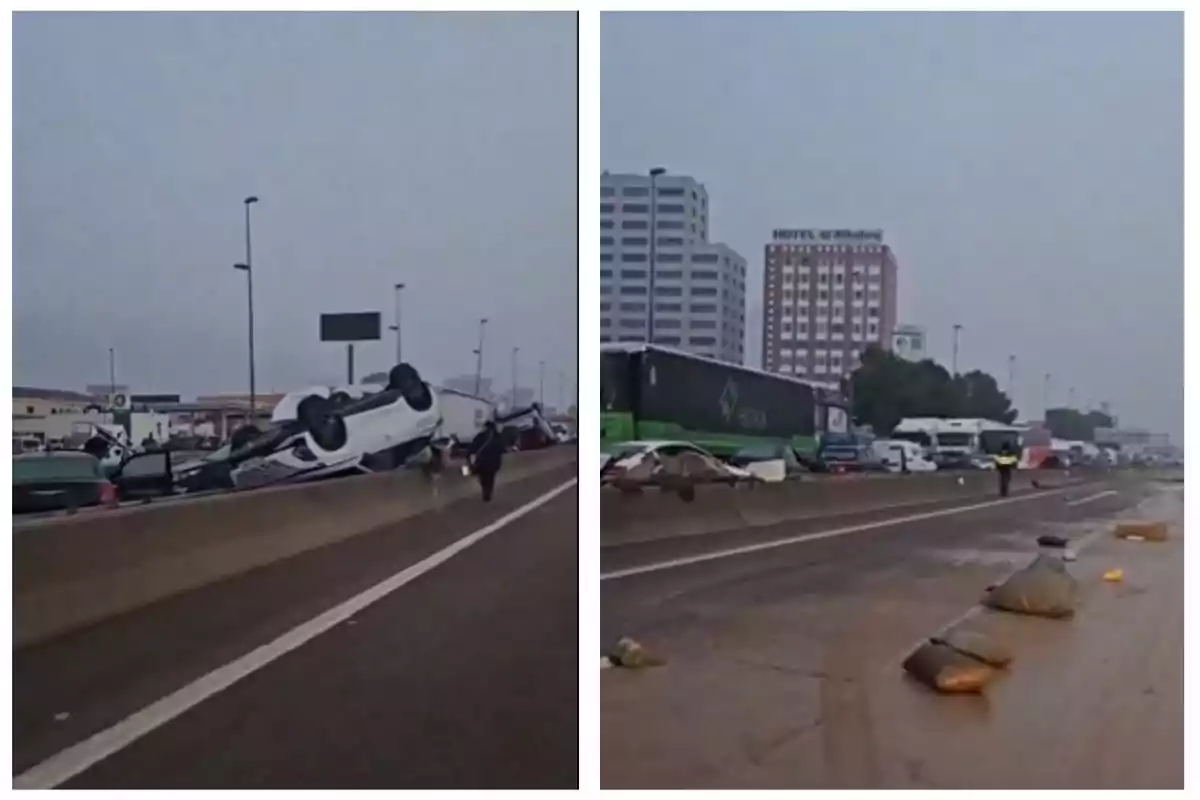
698, 302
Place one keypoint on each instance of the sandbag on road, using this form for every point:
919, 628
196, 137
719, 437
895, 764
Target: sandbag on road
976, 645
945, 669
1044, 588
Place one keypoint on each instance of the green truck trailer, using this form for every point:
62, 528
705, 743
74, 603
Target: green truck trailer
652, 392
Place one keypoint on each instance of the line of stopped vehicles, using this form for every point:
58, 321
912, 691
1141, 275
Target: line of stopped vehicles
315, 433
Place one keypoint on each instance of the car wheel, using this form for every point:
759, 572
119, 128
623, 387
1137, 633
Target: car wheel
327, 429
405, 379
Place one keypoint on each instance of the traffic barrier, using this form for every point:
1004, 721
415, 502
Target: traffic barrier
70, 572
655, 513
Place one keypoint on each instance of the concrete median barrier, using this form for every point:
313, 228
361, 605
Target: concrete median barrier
656, 514
69, 572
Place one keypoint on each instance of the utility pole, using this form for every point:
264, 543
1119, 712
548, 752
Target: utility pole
654, 173
479, 357
954, 357
1012, 368
399, 290
1045, 395
515, 350
542, 383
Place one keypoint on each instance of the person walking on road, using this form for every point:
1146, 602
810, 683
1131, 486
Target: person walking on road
485, 455
1006, 462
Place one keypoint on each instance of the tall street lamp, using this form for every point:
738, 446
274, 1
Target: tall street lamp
479, 357
399, 290
248, 268
654, 173
954, 357
542, 383
515, 350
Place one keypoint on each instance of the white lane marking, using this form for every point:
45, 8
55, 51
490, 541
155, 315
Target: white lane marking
1092, 498
67, 764
829, 534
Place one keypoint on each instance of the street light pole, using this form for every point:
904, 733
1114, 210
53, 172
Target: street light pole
1045, 395
399, 289
542, 383
1012, 368
479, 357
515, 350
654, 173
112, 374
954, 357
249, 269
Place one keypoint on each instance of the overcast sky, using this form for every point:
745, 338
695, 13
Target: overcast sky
1026, 168
439, 150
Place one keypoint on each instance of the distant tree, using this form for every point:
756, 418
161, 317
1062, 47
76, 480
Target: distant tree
888, 388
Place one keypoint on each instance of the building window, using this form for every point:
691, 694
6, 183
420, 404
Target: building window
607, 191
704, 324
605, 257
633, 258
635, 191
634, 225
669, 224
636, 324
670, 241
667, 323
668, 274
670, 191
668, 291
605, 322
668, 340
702, 341
606, 224
605, 289
605, 339
635, 208
872, 312
633, 274
669, 258
668, 308
704, 291
633, 291
704, 258
606, 241
606, 306
635, 307
634, 241
704, 275
606, 273
670, 208
702, 308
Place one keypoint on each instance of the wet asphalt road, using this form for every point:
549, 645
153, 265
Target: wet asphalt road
465, 678
782, 665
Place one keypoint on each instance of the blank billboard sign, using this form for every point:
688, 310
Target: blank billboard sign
361, 326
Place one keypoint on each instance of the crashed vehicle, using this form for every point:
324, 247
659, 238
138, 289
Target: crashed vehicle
666, 463
315, 433
322, 433
526, 429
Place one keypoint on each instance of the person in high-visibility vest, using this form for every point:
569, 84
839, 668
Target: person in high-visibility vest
1006, 462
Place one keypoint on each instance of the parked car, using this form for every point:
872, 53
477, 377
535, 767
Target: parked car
898, 453
847, 452
58, 480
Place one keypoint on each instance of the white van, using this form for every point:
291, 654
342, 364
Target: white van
889, 452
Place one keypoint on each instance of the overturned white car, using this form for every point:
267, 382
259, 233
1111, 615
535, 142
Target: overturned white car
325, 432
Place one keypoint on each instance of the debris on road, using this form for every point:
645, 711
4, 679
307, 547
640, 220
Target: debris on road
1115, 575
1044, 588
976, 645
946, 670
1050, 540
631, 655
1142, 531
